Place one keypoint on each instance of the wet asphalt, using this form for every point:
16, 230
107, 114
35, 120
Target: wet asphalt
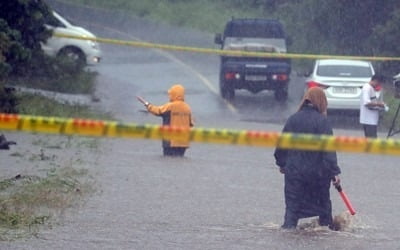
218, 196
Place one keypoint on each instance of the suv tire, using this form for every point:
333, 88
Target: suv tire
227, 93
73, 55
281, 95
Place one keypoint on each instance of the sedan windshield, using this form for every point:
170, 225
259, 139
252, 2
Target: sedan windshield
344, 71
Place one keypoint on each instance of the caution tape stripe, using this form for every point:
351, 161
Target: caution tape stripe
83, 127
149, 45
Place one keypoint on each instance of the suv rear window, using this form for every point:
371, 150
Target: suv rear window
254, 28
344, 71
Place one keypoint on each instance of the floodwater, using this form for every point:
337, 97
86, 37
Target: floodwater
217, 197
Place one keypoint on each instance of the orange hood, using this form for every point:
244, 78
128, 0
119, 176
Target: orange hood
176, 92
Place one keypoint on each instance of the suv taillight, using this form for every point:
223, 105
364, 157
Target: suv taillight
280, 77
311, 84
232, 75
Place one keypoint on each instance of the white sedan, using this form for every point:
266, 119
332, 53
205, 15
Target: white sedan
341, 80
81, 51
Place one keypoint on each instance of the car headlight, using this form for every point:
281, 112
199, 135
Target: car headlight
93, 44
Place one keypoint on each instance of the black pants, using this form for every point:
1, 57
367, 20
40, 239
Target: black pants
174, 151
307, 198
370, 130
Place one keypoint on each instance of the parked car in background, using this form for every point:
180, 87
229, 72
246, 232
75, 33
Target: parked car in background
396, 85
341, 80
82, 52
254, 73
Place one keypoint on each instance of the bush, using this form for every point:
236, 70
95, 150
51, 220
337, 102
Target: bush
8, 101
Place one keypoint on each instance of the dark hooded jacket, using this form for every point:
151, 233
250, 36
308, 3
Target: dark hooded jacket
308, 174
304, 163
175, 113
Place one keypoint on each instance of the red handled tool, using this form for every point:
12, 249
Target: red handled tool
345, 199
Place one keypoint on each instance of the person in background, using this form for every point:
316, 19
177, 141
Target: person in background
308, 174
4, 143
175, 113
371, 104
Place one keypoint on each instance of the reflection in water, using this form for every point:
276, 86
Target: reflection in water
344, 119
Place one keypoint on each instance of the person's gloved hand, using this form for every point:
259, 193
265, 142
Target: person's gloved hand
336, 180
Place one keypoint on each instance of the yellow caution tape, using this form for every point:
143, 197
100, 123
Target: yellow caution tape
226, 52
97, 128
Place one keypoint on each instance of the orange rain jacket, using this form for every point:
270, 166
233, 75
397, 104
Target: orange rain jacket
175, 113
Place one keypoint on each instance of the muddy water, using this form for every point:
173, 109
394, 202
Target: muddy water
208, 200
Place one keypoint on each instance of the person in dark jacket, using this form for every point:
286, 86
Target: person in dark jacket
175, 113
308, 174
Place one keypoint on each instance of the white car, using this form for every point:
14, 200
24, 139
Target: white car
341, 80
396, 85
84, 52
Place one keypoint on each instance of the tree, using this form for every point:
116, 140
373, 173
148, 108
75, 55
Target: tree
4, 47
350, 24
22, 31
385, 39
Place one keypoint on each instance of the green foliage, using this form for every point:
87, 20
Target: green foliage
385, 39
389, 116
22, 24
8, 44
35, 104
22, 29
8, 100
357, 27
29, 201
58, 75
28, 17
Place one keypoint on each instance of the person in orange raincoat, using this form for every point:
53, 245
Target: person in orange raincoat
175, 113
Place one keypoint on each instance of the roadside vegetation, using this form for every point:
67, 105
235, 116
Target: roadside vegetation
49, 182
31, 201
35, 104
388, 117
23, 62
57, 75
316, 27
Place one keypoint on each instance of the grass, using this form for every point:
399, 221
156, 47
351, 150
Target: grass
27, 202
54, 184
80, 83
206, 15
38, 105
388, 117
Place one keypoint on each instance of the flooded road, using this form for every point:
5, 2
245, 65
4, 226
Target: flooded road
217, 197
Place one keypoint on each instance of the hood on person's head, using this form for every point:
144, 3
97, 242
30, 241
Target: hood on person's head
176, 92
317, 98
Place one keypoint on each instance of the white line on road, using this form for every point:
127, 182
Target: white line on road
171, 57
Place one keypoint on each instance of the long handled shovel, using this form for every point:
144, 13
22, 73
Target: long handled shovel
345, 199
